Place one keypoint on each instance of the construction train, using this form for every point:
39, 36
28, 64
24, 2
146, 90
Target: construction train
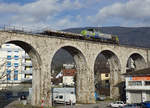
89, 34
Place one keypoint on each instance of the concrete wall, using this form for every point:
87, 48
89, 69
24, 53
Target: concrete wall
42, 49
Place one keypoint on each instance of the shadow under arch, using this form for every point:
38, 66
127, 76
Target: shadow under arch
36, 71
110, 63
82, 78
135, 62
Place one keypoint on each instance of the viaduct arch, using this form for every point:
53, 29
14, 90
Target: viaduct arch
115, 70
136, 60
36, 62
81, 75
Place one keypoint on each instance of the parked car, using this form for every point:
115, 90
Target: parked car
96, 96
102, 97
99, 97
117, 104
146, 104
135, 105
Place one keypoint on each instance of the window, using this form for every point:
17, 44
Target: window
9, 52
106, 75
16, 57
16, 71
8, 71
107, 84
135, 83
8, 57
107, 81
16, 51
16, 75
60, 97
147, 83
8, 75
16, 64
7, 45
8, 64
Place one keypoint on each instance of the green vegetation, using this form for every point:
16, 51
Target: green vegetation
27, 106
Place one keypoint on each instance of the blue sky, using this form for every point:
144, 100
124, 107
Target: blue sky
62, 14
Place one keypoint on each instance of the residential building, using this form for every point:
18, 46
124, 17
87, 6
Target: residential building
15, 69
69, 77
105, 80
66, 77
137, 86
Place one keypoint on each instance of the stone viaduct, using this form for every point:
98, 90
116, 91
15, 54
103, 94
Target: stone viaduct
42, 48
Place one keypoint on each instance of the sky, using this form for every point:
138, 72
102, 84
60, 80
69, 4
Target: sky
63, 14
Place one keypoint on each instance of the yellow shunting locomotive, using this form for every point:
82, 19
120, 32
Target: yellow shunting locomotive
94, 35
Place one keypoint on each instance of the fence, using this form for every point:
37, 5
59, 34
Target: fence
24, 29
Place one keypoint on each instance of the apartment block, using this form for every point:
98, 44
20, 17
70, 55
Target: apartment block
15, 69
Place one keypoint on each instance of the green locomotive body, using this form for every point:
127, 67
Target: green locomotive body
94, 35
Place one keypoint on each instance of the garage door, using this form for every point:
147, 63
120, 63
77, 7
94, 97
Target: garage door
148, 96
136, 96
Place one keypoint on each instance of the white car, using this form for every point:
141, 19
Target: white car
117, 104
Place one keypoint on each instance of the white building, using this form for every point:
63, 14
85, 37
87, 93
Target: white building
68, 77
15, 68
138, 86
68, 66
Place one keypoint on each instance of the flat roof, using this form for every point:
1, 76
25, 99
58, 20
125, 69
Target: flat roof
141, 72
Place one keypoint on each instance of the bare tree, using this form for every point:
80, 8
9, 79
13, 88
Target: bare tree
3, 74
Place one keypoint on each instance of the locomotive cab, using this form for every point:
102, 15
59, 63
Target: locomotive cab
91, 30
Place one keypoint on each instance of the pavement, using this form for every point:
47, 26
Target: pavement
100, 104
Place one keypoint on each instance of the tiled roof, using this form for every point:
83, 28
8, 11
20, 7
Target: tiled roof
69, 72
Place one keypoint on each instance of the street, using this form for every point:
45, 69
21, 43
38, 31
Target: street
100, 104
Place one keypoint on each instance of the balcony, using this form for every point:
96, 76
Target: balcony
10, 81
137, 87
27, 71
27, 64
26, 56
23, 80
26, 80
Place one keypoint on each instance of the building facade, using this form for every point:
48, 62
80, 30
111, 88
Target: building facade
138, 86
